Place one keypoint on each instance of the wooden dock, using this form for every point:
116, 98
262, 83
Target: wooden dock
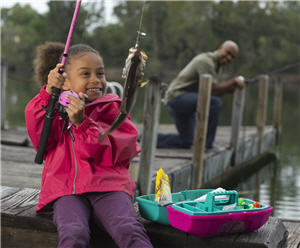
21, 183
19, 169
21, 227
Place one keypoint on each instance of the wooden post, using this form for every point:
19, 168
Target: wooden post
201, 127
262, 110
236, 119
277, 110
3, 94
149, 138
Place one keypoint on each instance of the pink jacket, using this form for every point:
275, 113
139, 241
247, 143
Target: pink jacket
85, 165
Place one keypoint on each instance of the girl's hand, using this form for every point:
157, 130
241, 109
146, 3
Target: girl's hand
55, 79
75, 109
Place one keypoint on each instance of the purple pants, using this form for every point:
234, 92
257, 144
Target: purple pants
112, 211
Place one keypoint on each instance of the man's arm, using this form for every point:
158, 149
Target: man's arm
219, 89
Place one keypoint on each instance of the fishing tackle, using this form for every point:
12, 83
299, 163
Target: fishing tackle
133, 73
53, 104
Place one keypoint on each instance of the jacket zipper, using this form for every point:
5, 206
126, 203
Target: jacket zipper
73, 150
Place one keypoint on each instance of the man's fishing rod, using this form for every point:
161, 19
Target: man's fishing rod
55, 95
278, 70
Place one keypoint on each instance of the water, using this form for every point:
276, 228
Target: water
276, 184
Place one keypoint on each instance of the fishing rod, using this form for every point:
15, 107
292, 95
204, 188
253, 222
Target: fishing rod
55, 95
278, 70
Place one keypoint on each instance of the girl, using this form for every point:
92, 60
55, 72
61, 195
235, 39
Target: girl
83, 178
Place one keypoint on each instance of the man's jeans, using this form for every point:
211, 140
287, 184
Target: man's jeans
182, 109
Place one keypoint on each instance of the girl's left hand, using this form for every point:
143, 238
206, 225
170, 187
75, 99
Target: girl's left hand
75, 109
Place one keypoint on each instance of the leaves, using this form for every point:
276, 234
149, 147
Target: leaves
267, 33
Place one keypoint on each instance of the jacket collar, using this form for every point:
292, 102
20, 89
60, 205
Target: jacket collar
105, 99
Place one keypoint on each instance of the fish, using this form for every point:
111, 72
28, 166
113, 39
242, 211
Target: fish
133, 72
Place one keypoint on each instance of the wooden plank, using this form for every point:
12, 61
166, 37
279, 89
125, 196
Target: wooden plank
16, 174
31, 221
166, 236
3, 94
7, 191
149, 138
262, 110
15, 237
293, 228
271, 235
19, 201
277, 110
236, 119
204, 94
18, 137
39, 231
17, 153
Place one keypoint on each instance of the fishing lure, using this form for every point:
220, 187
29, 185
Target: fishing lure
133, 72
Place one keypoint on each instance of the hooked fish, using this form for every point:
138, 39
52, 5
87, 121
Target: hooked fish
133, 73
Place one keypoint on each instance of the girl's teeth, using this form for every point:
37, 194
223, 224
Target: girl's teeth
95, 89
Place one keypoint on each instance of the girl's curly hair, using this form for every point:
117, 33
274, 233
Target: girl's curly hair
50, 54
47, 58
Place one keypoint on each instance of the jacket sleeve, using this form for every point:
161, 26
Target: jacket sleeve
116, 147
34, 117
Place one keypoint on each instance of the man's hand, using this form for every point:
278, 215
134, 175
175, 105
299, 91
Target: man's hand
75, 109
239, 82
55, 79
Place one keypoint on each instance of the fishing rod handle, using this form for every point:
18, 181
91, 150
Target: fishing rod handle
47, 125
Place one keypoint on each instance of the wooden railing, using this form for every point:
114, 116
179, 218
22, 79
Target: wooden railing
151, 120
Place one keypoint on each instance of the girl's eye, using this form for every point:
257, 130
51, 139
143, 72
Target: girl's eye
100, 73
86, 73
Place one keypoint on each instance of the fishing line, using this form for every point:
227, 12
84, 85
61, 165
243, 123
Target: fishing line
278, 70
140, 26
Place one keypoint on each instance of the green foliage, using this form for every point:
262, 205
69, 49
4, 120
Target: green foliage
267, 33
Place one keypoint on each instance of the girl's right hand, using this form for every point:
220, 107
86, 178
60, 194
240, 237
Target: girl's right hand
55, 79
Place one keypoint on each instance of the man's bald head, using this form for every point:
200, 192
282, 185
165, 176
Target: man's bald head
227, 52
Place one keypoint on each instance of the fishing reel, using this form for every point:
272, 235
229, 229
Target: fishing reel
63, 103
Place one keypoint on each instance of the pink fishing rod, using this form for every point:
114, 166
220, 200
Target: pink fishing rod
53, 103
68, 43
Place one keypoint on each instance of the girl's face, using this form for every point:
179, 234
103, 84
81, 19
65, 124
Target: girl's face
85, 74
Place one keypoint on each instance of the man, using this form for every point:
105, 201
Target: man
182, 94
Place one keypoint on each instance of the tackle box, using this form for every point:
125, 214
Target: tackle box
151, 210
218, 217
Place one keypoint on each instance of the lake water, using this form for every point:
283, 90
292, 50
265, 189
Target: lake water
276, 184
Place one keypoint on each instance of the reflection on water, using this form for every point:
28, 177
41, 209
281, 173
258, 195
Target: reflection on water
276, 185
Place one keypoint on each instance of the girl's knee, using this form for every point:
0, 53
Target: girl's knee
73, 235
132, 235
